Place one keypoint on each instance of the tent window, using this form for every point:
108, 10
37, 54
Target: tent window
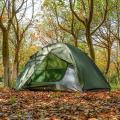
52, 62
51, 69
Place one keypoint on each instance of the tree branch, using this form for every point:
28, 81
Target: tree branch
58, 21
84, 8
105, 14
29, 22
1, 23
90, 12
70, 1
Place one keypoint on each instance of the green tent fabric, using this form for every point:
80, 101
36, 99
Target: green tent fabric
61, 66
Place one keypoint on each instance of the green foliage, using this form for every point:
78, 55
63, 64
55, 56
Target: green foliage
44, 107
114, 86
12, 100
1, 85
60, 0
113, 89
55, 95
113, 80
76, 95
19, 114
1, 5
56, 109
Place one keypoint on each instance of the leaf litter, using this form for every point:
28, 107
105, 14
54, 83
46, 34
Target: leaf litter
43, 105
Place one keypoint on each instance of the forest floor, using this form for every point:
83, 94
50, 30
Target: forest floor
42, 105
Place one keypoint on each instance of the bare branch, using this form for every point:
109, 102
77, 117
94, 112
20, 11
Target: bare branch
101, 42
90, 12
104, 18
99, 45
103, 36
115, 35
84, 7
23, 12
29, 22
20, 6
58, 21
14, 28
70, 1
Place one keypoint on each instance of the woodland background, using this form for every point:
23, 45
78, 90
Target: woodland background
28, 25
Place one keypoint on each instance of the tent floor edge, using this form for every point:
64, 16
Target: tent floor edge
96, 89
54, 87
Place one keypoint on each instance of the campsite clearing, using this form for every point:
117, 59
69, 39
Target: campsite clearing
59, 105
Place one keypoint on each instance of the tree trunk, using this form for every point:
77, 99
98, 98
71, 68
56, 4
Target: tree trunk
14, 71
90, 43
15, 64
6, 62
118, 82
108, 60
118, 73
76, 42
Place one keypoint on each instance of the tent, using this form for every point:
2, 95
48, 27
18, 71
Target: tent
61, 66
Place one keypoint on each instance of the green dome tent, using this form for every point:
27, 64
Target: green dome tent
61, 66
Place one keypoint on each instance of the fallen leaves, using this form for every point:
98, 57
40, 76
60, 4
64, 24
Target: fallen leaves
59, 105
106, 115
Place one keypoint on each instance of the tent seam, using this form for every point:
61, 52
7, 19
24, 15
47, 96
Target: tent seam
76, 71
34, 70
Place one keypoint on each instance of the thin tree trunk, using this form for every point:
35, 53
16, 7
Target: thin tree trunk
118, 17
15, 64
108, 60
117, 66
108, 51
76, 43
118, 82
6, 62
90, 44
118, 73
76, 40
14, 71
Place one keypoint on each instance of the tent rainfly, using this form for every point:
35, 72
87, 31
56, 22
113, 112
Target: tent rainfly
61, 66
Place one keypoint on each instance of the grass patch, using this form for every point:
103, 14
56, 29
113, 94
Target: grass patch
1, 85
115, 86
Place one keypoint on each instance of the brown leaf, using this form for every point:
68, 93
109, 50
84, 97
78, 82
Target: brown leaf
82, 116
92, 119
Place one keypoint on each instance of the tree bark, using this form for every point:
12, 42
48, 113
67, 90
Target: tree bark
117, 67
108, 59
15, 64
76, 42
90, 43
6, 62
